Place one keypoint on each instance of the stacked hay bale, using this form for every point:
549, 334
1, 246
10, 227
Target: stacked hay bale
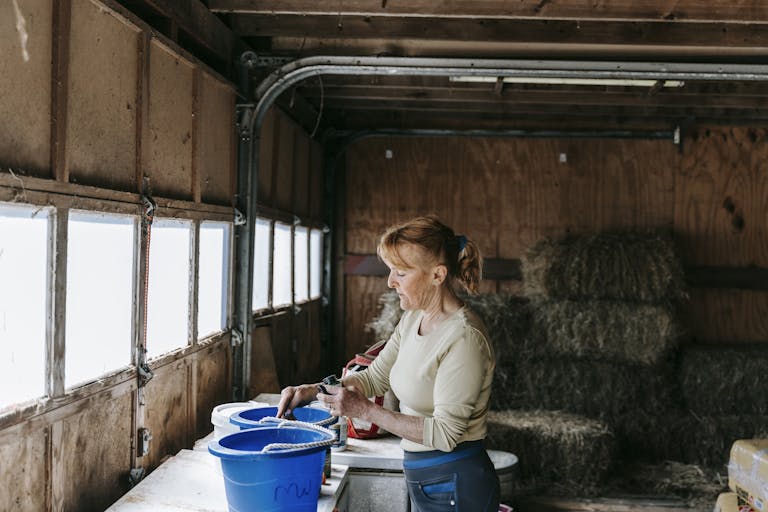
605, 308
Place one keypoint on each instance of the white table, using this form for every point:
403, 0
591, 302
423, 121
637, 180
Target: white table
192, 481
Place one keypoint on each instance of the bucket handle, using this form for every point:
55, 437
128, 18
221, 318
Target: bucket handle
283, 423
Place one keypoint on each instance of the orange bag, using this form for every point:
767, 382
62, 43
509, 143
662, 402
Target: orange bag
357, 428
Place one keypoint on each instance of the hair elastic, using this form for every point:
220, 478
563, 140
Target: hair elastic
462, 241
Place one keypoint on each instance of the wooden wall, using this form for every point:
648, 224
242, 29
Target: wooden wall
104, 105
507, 194
287, 343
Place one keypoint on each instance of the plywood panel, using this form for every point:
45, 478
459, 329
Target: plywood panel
282, 185
167, 411
369, 195
552, 187
721, 203
25, 102
283, 351
316, 181
168, 140
724, 316
215, 127
23, 473
263, 368
301, 175
102, 101
267, 157
213, 383
362, 307
95, 454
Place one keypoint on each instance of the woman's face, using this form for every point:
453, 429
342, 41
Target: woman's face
414, 284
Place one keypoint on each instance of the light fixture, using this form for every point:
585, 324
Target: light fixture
627, 82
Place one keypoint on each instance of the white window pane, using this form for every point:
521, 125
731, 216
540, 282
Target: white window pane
213, 264
316, 263
23, 267
261, 250
100, 252
281, 270
168, 316
300, 264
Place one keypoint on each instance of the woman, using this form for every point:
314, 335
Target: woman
439, 364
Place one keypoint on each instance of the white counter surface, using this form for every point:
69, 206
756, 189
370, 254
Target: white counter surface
192, 481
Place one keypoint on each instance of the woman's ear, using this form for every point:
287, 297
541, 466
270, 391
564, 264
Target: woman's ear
439, 273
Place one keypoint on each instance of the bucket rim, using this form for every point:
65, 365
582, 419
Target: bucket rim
216, 448
246, 423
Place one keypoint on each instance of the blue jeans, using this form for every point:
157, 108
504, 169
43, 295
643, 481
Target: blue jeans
463, 480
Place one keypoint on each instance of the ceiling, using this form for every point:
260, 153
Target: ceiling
702, 32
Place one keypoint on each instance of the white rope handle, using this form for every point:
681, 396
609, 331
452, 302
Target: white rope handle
282, 423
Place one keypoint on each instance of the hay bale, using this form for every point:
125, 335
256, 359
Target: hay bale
507, 318
597, 389
606, 330
554, 446
725, 380
627, 266
686, 437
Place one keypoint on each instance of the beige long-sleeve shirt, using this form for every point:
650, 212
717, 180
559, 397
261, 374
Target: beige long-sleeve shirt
444, 376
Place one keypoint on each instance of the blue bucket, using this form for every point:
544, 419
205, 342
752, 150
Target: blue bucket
285, 479
249, 418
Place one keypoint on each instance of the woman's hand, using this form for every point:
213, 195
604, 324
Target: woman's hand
345, 401
295, 396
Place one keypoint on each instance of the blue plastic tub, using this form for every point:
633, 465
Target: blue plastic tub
274, 481
249, 418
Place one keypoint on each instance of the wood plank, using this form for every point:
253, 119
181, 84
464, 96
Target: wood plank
370, 265
689, 96
263, 377
267, 156
301, 190
99, 456
24, 476
316, 182
727, 316
720, 198
214, 148
282, 185
214, 384
168, 155
101, 113
714, 34
25, 140
753, 10
166, 412
199, 24
62, 23
604, 49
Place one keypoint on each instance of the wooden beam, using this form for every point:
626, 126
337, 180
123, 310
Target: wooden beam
650, 10
62, 20
194, 19
641, 33
341, 44
516, 96
503, 269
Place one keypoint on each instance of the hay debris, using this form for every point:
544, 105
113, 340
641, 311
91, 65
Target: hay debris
385, 322
698, 486
606, 330
725, 380
626, 266
553, 446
